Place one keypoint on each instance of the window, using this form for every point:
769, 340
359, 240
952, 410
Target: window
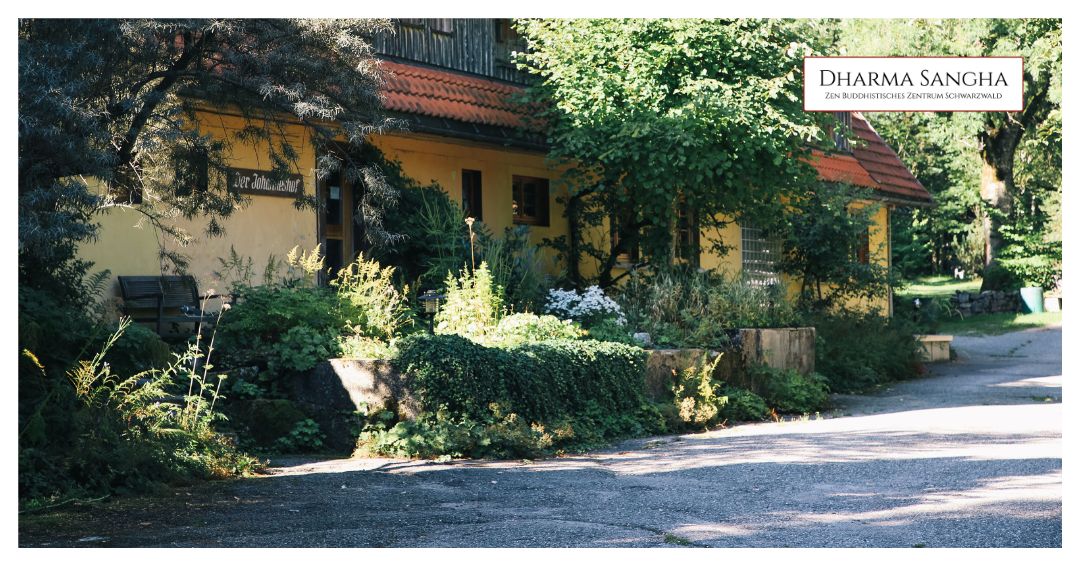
472, 195
504, 30
686, 232
507, 40
760, 256
531, 201
633, 255
841, 130
862, 248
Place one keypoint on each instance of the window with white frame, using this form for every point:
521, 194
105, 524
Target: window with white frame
760, 256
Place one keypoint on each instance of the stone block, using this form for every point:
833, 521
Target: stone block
934, 347
662, 367
780, 348
336, 389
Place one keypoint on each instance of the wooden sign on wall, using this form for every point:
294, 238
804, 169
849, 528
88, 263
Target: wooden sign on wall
250, 181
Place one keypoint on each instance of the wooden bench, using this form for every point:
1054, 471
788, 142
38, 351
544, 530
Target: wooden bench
164, 298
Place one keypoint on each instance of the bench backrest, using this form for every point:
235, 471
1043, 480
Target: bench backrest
143, 291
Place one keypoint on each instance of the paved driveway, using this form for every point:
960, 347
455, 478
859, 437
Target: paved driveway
969, 455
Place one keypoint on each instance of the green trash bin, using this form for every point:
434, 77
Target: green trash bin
1031, 299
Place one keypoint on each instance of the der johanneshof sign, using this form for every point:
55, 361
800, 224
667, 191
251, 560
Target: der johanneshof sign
254, 182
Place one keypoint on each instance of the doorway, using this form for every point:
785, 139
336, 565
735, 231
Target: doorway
340, 228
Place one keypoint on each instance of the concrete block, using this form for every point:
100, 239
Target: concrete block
934, 347
336, 389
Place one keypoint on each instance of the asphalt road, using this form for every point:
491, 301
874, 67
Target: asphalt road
969, 455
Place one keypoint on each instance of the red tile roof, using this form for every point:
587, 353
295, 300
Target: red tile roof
872, 164
445, 94
841, 168
883, 164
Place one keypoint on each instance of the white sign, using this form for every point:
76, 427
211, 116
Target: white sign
913, 84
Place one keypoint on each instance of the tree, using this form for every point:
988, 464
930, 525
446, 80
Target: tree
941, 153
1010, 172
116, 101
822, 239
652, 116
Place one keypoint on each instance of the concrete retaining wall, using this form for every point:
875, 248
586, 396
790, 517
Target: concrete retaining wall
336, 389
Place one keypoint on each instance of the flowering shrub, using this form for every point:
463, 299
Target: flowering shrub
473, 305
590, 307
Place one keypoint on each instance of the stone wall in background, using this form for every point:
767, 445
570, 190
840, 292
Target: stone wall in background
986, 302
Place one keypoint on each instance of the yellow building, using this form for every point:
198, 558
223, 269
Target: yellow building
451, 81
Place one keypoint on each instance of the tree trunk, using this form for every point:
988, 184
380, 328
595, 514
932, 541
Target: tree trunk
996, 185
573, 244
999, 139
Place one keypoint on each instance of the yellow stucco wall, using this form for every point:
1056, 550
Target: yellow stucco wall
730, 264
264, 225
267, 225
431, 158
880, 253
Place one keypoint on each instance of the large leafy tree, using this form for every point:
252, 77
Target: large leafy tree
650, 116
1017, 154
116, 101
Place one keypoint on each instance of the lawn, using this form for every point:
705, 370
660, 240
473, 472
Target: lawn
997, 323
944, 286
937, 286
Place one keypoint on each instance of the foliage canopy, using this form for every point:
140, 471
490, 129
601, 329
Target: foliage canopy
652, 115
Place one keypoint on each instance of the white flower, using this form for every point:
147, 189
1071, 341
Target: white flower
592, 304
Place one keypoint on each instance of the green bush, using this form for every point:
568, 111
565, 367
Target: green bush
539, 382
996, 278
262, 422
698, 401
138, 349
439, 435
690, 309
525, 328
300, 348
789, 391
372, 305
742, 405
305, 436
479, 400
515, 267
611, 331
362, 347
858, 351
286, 329
1035, 271
255, 327
124, 437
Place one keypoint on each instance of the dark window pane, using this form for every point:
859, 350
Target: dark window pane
531, 200
333, 204
472, 196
